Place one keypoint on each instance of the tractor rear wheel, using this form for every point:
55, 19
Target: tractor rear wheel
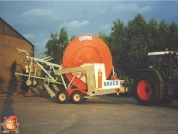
62, 96
168, 100
146, 90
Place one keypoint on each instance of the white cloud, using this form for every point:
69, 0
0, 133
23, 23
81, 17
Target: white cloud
43, 13
145, 9
37, 13
29, 36
75, 24
99, 10
107, 26
132, 8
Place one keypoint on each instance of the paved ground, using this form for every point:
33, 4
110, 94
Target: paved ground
104, 115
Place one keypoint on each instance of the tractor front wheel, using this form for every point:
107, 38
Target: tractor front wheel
146, 90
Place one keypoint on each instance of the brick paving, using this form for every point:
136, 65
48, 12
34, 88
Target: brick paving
103, 115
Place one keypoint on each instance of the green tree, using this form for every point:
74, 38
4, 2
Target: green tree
72, 38
56, 45
163, 39
153, 35
130, 44
137, 36
104, 37
173, 36
118, 45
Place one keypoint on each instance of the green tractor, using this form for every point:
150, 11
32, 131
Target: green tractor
157, 83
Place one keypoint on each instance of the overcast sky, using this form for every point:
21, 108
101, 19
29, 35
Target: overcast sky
35, 20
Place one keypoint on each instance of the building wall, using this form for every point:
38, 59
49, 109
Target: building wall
10, 61
6, 29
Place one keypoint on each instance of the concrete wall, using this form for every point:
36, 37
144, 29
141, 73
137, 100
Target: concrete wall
10, 61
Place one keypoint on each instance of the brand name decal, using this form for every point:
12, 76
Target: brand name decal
111, 83
85, 38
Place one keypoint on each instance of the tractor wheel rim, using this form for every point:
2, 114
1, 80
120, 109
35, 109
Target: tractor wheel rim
144, 90
77, 97
62, 97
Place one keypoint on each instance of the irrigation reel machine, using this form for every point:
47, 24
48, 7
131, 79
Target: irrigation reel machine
86, 71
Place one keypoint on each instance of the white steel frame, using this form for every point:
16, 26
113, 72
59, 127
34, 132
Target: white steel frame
58, 71
34, 62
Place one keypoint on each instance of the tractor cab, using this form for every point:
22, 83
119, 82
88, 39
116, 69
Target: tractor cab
166, 62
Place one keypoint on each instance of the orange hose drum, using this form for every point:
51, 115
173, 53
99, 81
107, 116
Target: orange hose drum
99, 78
86, 49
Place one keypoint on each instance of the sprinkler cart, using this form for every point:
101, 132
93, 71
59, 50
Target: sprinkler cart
86, 71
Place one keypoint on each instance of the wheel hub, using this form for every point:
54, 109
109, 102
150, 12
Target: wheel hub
62, 97
77, 97
147, 90
144, 90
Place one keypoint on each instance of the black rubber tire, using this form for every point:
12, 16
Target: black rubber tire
85, 99
176, 93
77, 97
176, 97
146, 90
171, 98
168, 100
62, 97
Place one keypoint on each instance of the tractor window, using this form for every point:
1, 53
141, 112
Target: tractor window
165, 60
151, 61
159, 59
174, 60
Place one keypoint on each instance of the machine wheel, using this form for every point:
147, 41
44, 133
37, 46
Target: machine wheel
29, 82
146, 90
34, 82
62, 96
77, 97
85, 99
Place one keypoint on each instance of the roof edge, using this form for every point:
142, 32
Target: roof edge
17, 32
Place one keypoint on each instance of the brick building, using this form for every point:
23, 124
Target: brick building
10, 59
